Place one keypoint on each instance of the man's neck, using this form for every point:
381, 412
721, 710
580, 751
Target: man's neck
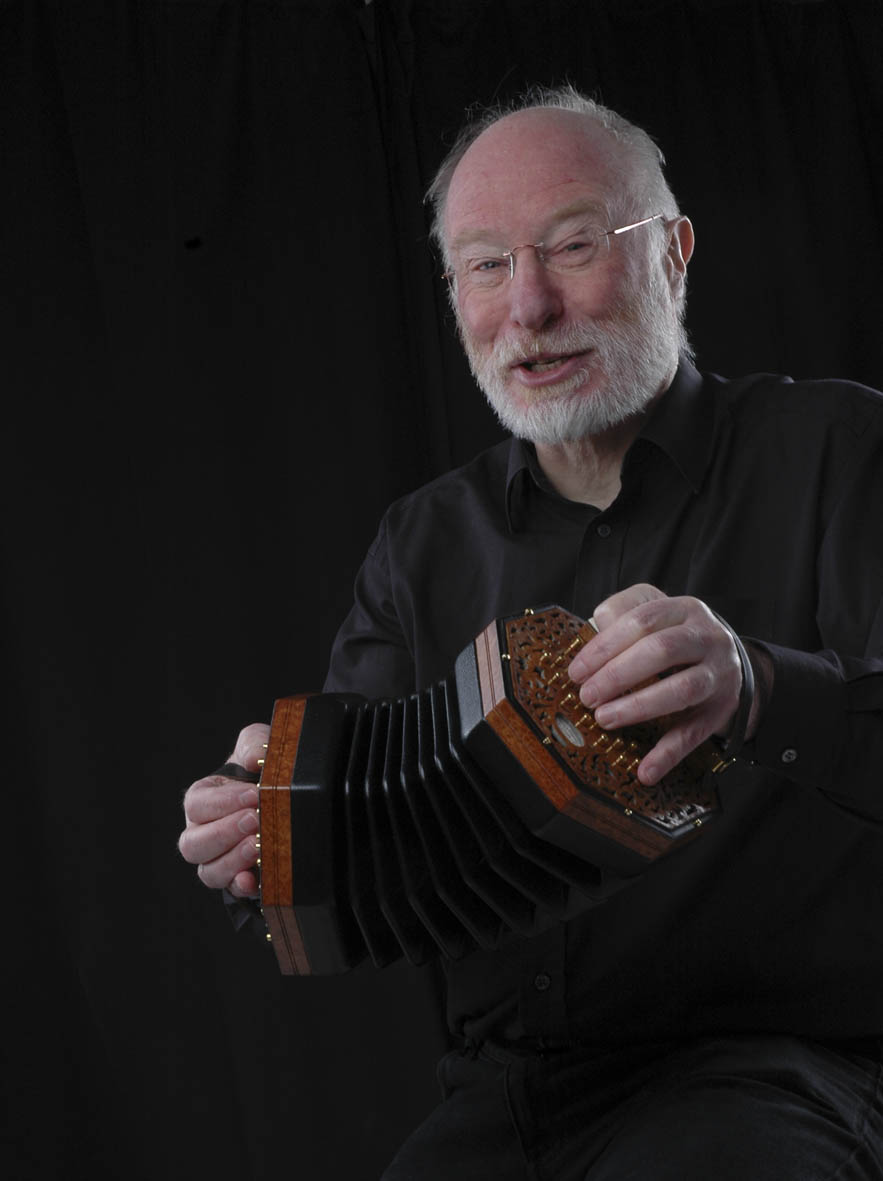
589, 470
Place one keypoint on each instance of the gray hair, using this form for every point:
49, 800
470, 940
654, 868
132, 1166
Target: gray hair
650, 195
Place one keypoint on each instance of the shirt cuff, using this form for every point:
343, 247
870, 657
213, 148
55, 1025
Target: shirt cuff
802, 731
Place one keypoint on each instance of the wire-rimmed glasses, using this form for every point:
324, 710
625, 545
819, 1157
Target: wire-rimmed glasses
577, 251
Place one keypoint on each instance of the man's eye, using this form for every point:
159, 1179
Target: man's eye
483, 265
575, 252
576, 246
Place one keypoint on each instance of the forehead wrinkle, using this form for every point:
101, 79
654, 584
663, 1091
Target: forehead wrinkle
576, 208
522, 171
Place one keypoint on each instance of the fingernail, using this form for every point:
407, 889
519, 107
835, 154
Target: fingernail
588, 695
605, 716
249, 823
249, 798
577, 667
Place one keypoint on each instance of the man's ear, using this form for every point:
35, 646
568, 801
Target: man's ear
680, 251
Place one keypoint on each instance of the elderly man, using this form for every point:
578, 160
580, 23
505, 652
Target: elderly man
721, 1017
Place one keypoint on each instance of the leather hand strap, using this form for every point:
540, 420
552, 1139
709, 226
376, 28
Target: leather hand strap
733, 745
237, 771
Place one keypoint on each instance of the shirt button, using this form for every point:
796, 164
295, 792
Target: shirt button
789, 755
603, 530
541, 982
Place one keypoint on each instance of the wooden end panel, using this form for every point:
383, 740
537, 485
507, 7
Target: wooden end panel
617, 825
275, 801
550, 778
558, 787
490, 670
286, 940
277, 890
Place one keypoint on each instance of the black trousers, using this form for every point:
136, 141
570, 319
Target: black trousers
753, 1108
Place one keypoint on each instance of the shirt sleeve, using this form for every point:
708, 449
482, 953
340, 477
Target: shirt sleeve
823, 727
823, 724
370, 655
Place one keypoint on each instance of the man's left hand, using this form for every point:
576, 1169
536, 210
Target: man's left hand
643, 633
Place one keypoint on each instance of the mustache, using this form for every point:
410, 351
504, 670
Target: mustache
575, 338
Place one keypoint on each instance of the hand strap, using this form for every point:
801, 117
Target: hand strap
733, 745
237, 771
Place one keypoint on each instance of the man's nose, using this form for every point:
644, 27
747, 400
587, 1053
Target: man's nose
533, 293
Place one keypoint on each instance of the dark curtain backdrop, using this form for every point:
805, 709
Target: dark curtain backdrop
224, 350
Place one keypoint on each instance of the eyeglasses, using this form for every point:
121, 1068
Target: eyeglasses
576, 252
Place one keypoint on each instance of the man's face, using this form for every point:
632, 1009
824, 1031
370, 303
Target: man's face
559, 356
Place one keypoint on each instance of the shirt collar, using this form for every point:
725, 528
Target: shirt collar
681, 425
522, 459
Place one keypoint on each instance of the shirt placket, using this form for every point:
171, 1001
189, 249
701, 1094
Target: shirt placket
543, 1008
542, 989
599, 561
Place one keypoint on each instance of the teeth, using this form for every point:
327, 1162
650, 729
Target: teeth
542, 366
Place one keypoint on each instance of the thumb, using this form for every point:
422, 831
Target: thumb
618, 604
251, 746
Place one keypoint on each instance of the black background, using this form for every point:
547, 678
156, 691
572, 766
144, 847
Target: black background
225, 348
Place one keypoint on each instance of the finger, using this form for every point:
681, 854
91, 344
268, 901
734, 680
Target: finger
202, 843
216, 796
691, 731
647, 620
224, 870
611, 608
688, 688
655, 659
251, 745
606, 613
245, 885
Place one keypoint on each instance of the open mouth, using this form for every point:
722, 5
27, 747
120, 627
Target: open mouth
544, 365
552, 365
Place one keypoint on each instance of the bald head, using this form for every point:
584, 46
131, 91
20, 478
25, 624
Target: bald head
550, 158
628, 162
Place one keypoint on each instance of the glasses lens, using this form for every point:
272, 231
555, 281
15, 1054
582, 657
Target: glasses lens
486, 271
578, 250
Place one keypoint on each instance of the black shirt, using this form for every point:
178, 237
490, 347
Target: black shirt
764, 498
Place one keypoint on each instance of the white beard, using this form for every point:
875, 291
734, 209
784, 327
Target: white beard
636, 350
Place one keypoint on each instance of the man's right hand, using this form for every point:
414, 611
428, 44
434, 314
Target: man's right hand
222, 821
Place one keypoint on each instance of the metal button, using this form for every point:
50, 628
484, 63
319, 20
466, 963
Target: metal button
541, 982
789, 755
604, 530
